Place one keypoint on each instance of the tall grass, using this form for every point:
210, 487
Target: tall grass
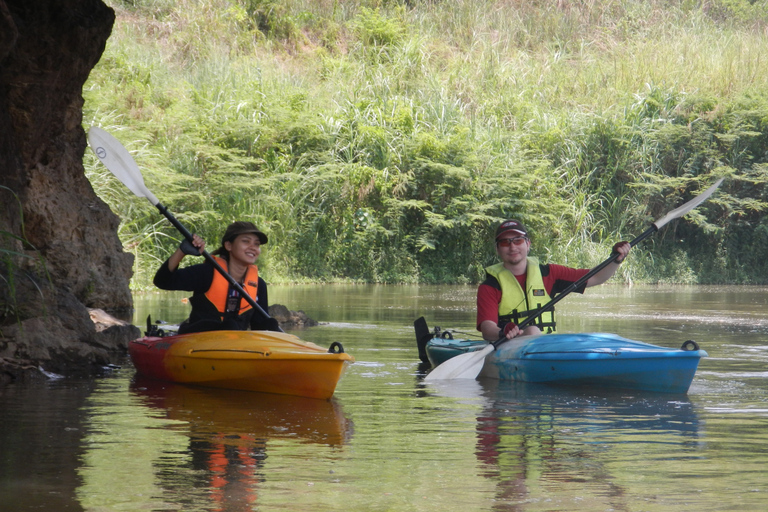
380, 141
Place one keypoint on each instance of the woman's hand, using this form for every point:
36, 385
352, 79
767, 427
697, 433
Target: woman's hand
193, 248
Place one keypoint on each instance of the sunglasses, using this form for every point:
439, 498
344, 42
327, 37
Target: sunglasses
506, 242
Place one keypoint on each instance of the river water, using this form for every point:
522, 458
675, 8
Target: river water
389, 442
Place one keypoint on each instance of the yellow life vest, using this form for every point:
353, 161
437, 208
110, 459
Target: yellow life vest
517, 305
219, 290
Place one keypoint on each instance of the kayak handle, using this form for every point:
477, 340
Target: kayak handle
690, 343
336, 348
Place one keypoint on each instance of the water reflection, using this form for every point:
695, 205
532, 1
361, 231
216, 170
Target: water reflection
229, 432
204, 449
214, 413
114, 444
534, 439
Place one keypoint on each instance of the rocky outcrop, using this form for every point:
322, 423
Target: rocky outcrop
59, 250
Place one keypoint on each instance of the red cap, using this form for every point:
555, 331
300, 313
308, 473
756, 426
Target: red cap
514, 227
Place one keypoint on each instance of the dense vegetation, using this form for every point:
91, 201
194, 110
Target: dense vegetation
382, 141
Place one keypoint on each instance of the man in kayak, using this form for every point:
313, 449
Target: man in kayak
519, 285
216, 305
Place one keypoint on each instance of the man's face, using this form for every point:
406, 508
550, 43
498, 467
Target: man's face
513, 249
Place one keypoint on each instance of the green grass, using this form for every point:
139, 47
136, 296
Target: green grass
382, 141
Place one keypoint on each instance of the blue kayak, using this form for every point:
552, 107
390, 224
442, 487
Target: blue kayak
591, 359
439, 350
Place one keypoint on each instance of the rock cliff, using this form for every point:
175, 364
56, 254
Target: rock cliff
59, 250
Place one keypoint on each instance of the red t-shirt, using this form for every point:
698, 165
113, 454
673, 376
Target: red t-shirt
556, 279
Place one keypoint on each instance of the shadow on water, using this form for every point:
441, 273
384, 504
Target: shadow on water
41, 429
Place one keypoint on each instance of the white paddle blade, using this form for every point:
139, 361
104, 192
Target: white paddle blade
119, 162
464, 366
690, 205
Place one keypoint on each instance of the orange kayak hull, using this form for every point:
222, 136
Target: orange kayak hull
263, 361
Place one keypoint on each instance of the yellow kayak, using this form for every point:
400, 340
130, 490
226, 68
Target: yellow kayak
264, 361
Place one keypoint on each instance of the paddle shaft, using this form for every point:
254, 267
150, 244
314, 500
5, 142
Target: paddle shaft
184, 231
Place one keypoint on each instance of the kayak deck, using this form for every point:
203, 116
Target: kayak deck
263, 361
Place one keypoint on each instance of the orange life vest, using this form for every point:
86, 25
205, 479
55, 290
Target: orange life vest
217, 293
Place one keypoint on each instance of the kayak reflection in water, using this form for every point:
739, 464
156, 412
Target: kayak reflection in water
518, 286
216, 304
221, 467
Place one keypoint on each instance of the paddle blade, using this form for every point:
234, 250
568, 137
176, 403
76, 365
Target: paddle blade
464, 366
690, 205
119, 162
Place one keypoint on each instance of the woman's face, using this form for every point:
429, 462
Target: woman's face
244, 248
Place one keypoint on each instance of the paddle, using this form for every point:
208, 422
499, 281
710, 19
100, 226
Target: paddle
120, 163
469, 365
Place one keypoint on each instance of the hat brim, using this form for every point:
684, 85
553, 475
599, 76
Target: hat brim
516, 232
262, 237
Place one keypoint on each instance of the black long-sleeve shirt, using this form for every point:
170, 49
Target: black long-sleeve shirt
198, 279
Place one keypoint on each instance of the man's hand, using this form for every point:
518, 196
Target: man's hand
622, 248
509, 331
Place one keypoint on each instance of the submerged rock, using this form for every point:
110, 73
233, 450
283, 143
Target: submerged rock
288, 318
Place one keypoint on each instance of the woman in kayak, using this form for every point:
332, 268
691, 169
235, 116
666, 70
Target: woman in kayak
217, 305
518, 286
